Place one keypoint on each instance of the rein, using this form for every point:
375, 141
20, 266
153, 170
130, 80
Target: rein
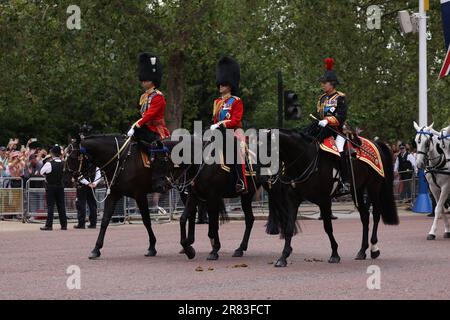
182, 186
115, 157
304, 176
439, 167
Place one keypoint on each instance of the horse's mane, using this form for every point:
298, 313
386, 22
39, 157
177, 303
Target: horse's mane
300, 133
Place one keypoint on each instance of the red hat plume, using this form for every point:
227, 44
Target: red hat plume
329, 63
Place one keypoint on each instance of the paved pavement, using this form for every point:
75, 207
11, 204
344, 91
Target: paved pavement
33, 264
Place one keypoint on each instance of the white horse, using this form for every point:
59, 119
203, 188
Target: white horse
433, 155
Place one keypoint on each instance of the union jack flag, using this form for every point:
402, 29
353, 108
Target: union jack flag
445, 9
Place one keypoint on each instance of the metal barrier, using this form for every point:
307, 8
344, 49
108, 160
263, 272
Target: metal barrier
405, 190
37, 204
11, 197
163, 207
125, 210
160, 206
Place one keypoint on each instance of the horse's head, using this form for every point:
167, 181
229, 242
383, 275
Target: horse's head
74, 159
162, 168
424, 141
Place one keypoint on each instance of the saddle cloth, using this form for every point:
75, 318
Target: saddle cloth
367, 152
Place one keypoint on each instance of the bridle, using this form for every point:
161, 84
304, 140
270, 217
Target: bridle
84, 156
439, 167
304, 176
421, 133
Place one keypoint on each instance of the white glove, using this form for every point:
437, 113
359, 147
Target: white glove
130, 132
214, 126
323, 123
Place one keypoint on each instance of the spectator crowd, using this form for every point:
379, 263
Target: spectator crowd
19, 162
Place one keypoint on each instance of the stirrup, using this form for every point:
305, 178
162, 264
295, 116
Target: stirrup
240, 188
344, 187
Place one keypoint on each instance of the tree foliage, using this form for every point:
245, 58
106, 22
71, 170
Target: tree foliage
53, 79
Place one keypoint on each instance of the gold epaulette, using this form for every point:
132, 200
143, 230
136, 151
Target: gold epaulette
340, 93
143, 99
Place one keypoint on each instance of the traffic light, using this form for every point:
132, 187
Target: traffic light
291, 106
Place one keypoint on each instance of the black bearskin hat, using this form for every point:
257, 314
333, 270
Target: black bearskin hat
228, 72
150, 68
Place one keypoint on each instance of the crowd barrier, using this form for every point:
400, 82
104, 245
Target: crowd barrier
125, 210
11, 197
27, 202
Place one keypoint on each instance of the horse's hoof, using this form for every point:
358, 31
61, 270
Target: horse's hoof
447, 235
431, 237
375, 254
334, 259
182, 251
151, 253
238, 253
281, 263
95, 254
213, 256
361, 256
190, 252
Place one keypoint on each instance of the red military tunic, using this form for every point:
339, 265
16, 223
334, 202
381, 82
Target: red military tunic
229, 112
153, 104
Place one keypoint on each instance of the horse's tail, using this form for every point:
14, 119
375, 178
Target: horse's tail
388, 208
280, 220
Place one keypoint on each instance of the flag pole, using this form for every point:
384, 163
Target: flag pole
423, 85
423, 201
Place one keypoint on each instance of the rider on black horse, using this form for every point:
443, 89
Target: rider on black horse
332, 110
229, 109
151, 127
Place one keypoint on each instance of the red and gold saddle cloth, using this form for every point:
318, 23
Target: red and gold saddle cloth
367, 153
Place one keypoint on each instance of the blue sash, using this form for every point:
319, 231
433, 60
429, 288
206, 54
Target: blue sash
224, 111
146, 104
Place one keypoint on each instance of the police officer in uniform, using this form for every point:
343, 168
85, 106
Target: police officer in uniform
85, 195
151, 127
229, 109
53, 172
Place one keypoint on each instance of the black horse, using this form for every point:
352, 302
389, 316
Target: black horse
207, 185
307, 174
124, 173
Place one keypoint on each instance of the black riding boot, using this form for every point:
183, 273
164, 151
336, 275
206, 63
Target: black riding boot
240, 184
344, 173
148, 138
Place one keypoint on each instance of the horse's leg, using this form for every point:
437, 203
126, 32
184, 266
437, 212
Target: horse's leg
246, 201
288, 233
213, 232
188, 215
110, 204
437, 192
364, 215
325, 210
374, 250
287, 250
142, 203
445, 191
446, 225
